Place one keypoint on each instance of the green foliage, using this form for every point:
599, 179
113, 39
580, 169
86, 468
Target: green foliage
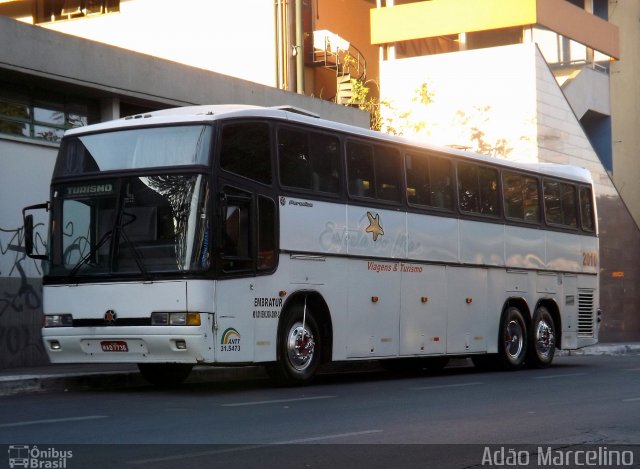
387, 118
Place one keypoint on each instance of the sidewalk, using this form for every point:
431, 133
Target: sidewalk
104, 376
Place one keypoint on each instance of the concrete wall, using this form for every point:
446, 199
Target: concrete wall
24, 179
625, 99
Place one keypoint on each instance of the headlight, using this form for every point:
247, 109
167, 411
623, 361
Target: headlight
175, 319
58, 320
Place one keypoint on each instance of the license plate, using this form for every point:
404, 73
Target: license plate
114, 346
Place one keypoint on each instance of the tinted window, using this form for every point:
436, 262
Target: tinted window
478, 189
521, 198
387, 161
308, 160
560, 203
586, 209
429, 181
374, 171
360, 170
246, 151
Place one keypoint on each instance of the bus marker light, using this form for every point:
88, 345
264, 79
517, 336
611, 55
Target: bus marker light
469, 300
282, 293
374, 299
424, 299
193, 319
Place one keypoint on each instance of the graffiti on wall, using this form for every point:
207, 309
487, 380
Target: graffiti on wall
20, 300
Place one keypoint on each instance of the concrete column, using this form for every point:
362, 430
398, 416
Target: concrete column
109, 109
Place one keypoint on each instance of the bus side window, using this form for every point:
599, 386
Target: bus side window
418, 186
469, 198
360, 170
246, 151
387, 167
488, 182
569, 208
325, 162
308, 160
294, 159
441, 188
521, 200
560, 203
586, 209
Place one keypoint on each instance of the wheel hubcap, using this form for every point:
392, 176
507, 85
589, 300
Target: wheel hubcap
513, 340
300, 347
545, 339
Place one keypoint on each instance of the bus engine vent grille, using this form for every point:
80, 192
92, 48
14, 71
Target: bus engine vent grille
586, 313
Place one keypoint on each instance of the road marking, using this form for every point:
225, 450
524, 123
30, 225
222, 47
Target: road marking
327, 437
276, 401
39, 422
559, 376
182, 456
446, 386
633, 399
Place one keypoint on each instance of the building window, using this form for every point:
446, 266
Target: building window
26, 113
56, 10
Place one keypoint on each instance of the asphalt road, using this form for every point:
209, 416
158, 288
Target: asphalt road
346, 419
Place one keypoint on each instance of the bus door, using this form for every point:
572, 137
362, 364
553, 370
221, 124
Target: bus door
246, 249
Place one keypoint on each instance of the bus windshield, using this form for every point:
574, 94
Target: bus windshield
134, 225
134, 149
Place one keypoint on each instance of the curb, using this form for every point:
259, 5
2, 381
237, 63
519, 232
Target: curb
607, 349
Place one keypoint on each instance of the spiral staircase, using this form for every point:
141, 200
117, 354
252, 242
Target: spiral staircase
332, 52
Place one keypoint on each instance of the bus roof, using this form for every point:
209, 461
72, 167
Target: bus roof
206, 113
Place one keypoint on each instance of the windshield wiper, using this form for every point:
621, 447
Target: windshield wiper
91, 253
137, 256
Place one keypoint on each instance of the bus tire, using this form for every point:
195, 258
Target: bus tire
512, 347
299, 348
165, 374
542, 340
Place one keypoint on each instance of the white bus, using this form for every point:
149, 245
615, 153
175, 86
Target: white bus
246, 235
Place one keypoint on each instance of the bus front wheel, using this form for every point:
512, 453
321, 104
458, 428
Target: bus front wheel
299, 348
512, 348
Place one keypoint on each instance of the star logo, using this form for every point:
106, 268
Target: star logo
374, 226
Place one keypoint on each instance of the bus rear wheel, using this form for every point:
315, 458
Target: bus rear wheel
542, 343
512, 347
165, 374
299, 348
